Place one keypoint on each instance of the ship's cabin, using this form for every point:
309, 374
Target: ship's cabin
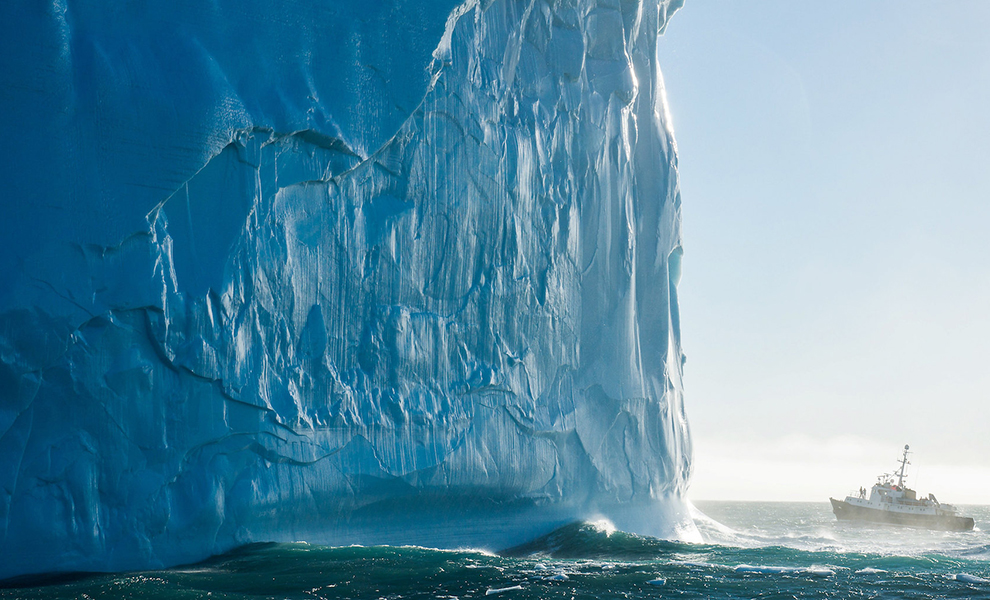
891, 492
890, 489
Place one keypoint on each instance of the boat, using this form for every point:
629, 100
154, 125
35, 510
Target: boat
893, 503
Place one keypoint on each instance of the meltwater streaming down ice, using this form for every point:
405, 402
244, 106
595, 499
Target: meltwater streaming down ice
397, 272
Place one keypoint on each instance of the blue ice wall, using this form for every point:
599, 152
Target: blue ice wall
345, 272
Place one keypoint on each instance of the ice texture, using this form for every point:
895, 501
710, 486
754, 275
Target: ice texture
343, 271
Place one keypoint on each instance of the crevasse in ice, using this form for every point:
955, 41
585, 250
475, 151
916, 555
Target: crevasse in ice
343, 272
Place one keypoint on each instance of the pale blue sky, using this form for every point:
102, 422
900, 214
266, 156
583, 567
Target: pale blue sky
835, 174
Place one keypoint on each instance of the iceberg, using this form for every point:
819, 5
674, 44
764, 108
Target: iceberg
344, 272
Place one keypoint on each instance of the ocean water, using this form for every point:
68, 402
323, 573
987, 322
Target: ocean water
751, 550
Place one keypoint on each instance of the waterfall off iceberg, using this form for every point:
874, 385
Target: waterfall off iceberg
344, 272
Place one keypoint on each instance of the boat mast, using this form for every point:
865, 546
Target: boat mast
904, 463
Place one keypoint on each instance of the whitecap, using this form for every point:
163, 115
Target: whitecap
603, 526
967, 578
493, 591
764, 569
768, 570
869, 571
693, 563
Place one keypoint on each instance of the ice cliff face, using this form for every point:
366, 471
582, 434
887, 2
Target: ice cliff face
397, 272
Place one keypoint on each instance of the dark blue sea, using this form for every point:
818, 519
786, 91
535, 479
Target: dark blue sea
751, 550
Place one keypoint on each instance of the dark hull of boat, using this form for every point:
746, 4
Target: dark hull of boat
849, 512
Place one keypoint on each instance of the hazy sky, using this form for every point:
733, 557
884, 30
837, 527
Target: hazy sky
835, 174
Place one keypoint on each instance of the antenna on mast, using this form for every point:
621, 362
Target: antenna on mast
904, 463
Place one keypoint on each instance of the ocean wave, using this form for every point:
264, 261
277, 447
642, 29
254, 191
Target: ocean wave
592, 540
788, 553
